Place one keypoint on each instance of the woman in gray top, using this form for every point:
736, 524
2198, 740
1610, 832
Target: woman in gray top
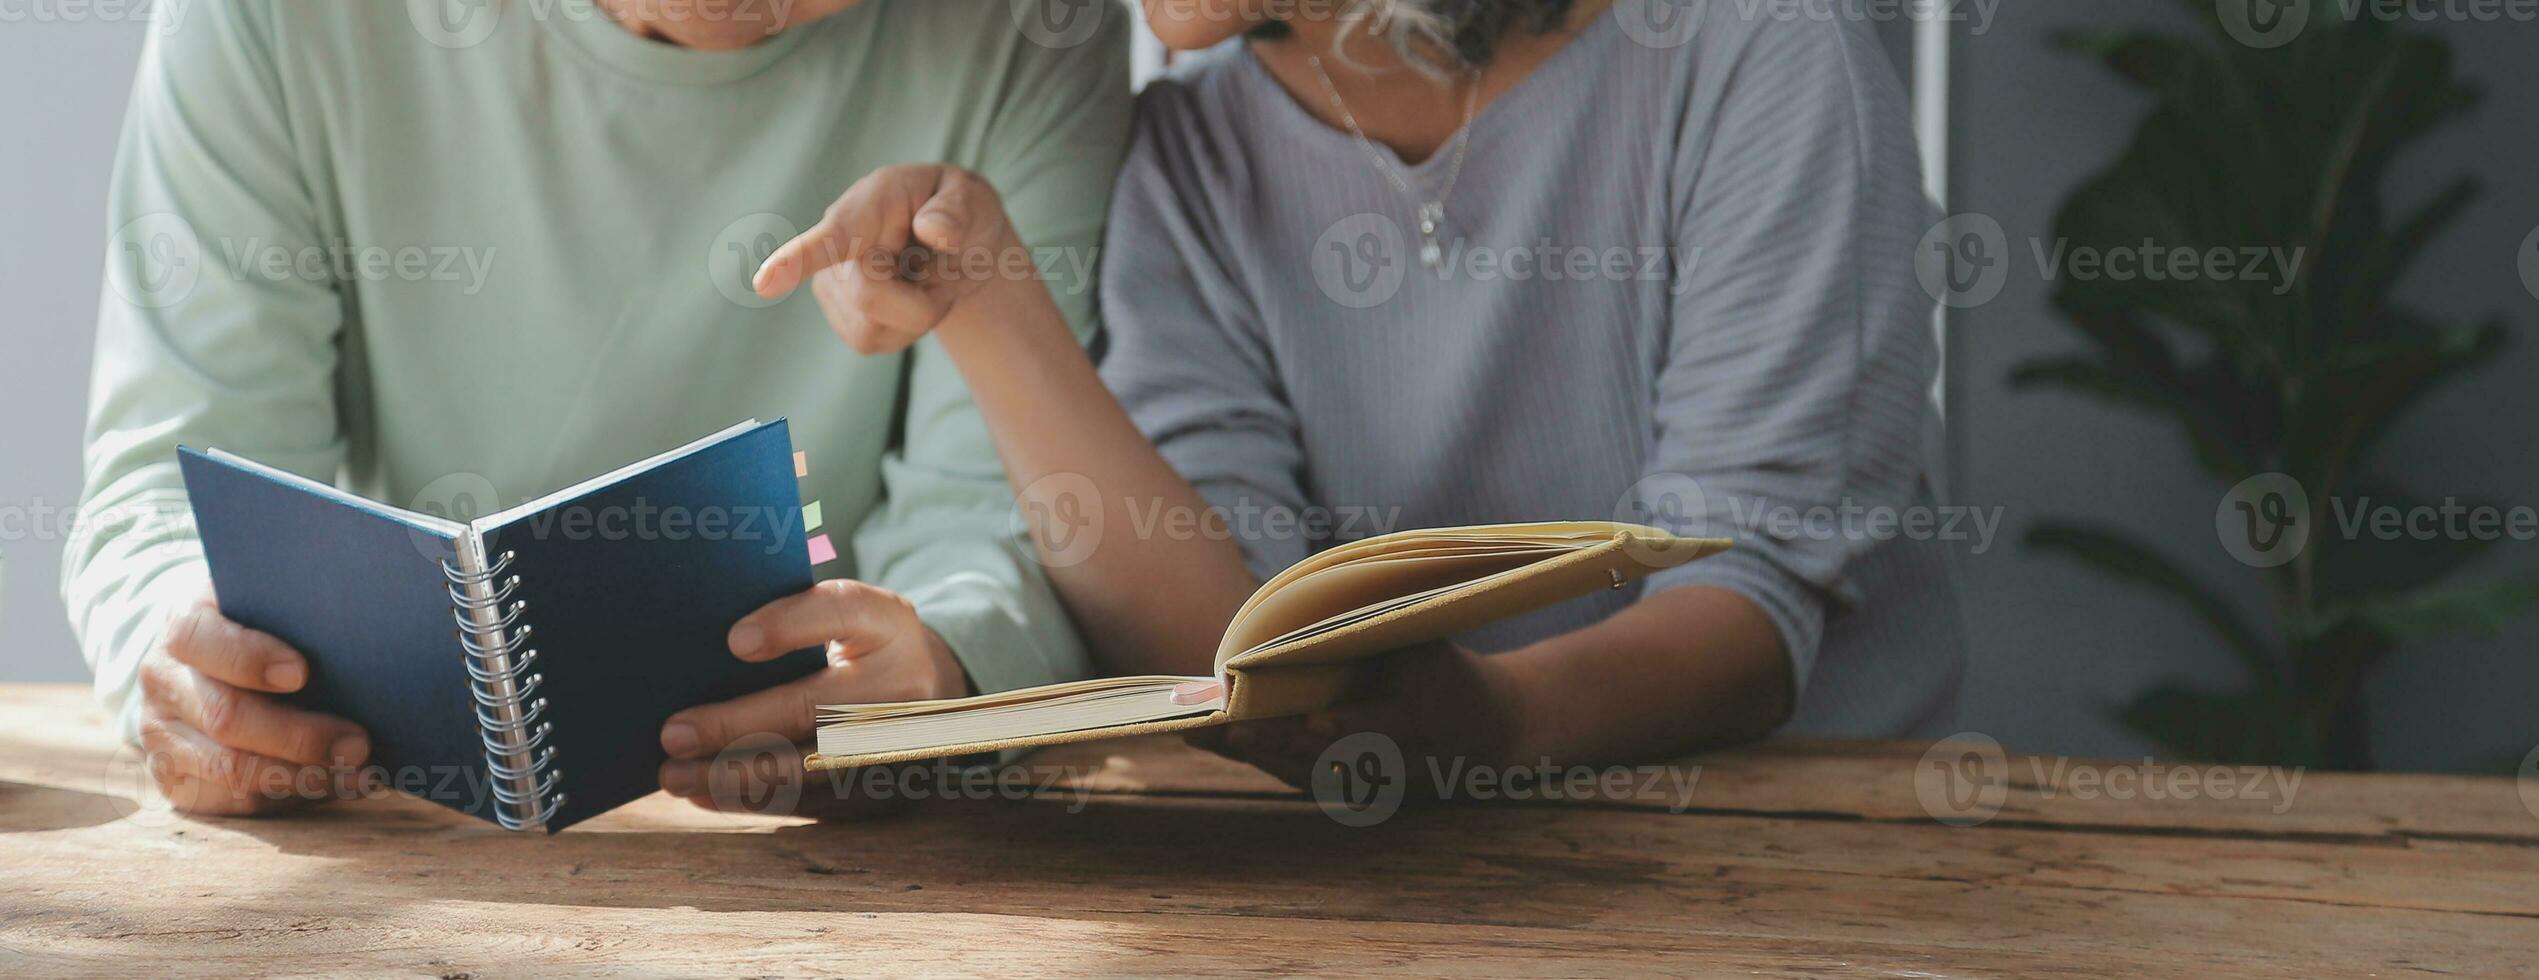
1410, 263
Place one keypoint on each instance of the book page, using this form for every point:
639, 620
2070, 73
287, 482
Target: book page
1352, 586
1111, 702
1564, 534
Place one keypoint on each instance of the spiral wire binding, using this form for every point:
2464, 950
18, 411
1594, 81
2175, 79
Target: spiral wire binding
491, 633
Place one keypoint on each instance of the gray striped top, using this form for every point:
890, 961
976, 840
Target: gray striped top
1675, 287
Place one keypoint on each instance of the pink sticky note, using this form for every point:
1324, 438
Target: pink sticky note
801, 465
1198, 693
822, 552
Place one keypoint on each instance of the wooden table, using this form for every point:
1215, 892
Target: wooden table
1795, 858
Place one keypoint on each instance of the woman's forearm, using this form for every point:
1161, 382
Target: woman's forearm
1680, 670
1149, 595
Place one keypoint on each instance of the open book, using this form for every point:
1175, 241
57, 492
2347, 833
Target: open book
1292, 647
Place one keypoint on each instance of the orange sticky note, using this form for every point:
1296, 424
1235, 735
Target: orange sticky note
822, 552
801, 465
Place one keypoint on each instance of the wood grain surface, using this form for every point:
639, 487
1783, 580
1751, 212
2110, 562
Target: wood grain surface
1792, 858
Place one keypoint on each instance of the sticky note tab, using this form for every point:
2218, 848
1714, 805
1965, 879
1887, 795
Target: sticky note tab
801, 465
811, 516
822, 552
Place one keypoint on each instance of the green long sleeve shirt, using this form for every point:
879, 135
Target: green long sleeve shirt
489, 253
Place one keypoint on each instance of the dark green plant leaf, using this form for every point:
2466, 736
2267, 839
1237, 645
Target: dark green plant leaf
2385, 259
2119, 554
2354, 560
2089, 376
2249, 728
2144, 392
2166, 64
2483, 609
2361, 386
2131, 346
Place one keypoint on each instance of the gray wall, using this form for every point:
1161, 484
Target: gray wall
2051, 645
62, 89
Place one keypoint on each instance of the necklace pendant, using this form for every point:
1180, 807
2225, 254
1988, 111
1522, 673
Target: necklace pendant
1431, 214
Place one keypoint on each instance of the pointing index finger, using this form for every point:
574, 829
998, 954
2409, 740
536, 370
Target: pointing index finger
794, 262
872, 219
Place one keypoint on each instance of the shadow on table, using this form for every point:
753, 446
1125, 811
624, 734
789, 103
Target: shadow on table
1114, 854
29, 808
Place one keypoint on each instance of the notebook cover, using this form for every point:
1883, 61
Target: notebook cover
629, 605
360, 592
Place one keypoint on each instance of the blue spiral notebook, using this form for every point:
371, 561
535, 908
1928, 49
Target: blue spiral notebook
518, 667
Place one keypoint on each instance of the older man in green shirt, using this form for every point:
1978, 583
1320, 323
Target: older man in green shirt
435, 250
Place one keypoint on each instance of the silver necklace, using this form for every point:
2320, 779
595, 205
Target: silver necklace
1432, 214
